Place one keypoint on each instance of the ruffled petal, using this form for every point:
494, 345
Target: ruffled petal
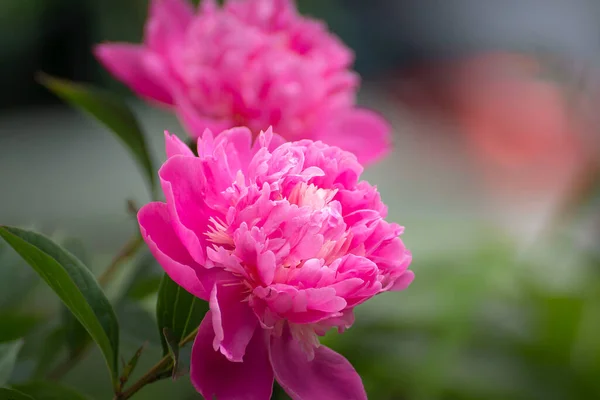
216, 377
135, 67
237, 143
233, 320
168, 21
156, 229
175, 147
362, 132
192, 188
328, 376
403, 281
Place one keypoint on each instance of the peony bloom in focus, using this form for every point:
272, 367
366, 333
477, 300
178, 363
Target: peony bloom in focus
283, 241
256, 63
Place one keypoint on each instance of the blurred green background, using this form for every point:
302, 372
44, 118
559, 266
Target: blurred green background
506, 300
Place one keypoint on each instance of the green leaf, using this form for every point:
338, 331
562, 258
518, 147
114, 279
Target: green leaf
8, 356
130, 366
46, 390
111, 111
53, 345
172, 344
177, 310
77, 337
179, 369
15, 325
12, 394
77, 248
145, 287
74, 284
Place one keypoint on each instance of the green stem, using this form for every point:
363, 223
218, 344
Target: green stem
128, 251
159, 371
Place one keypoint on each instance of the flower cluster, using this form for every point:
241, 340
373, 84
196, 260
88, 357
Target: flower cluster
254, 63
284, 241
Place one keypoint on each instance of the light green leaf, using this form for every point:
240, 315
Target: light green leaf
46, 390
74, 284
12, 394
177, 310
8, 356
111, 111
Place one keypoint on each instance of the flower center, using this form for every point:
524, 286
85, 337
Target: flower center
309, 195
218, 232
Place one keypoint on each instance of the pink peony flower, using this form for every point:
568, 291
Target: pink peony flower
283, 241
256, 63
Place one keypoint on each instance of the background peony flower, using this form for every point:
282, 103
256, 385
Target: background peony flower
256, 63
283, 241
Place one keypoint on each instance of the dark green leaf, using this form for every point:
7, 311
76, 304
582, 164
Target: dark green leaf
111, 111
77, 248
74, 284
179, 369
8, 356
46, 390
12, 394
172, 344
130, 366
76, 336
183, 364
177, 310
15, 325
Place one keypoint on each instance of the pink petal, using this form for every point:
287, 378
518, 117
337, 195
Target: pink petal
328, 376
268, 139
362, 132
181, 179
216, 377
208, 6
237, 142
156, 229
266, 266
196, 123
175, 147
167, 23
404, 281
129, 64
233, 320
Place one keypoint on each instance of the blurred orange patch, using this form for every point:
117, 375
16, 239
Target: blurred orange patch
520, 128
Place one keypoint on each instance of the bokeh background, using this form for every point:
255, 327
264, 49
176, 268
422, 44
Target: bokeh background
494, 174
